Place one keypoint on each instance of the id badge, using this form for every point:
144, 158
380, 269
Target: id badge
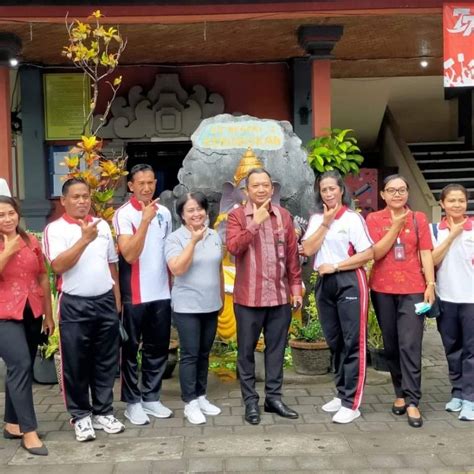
399, 251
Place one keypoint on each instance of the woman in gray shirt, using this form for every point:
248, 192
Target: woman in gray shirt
194, 255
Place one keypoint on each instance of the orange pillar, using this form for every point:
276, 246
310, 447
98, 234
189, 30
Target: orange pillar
5, 128
321, 95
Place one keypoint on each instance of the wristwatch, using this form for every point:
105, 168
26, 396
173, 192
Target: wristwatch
336, 267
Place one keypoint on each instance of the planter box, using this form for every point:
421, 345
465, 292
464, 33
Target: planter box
378, 359
44, 371
310, 358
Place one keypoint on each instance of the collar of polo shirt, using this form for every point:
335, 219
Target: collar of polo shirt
71, 220
445, 225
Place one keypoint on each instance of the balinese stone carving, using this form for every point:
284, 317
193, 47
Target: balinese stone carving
166, 111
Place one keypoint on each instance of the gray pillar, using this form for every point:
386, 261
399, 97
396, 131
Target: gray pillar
302, 116
36, 205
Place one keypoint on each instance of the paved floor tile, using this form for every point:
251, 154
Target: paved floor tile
242, 464
287, 464
206, 465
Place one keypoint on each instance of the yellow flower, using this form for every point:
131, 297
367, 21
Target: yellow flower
71, 162
89, 144
117, 81
96, 14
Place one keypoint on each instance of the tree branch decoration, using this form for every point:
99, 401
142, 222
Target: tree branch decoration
96, 51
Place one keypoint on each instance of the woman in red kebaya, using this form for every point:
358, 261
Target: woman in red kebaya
25, 296
402, 276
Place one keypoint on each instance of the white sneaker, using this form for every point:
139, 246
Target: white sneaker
207, 407
84, 430
193, 413
108, 423
333, 406
345, 415
135, 414
157, 409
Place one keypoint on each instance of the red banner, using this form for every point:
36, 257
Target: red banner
458, 32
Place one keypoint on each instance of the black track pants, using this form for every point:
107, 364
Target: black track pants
89, 329
456, 326
341, 299
149, 323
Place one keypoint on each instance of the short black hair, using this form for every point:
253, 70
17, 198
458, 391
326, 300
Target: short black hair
346, 198
395, 176
137, 168
198, 196
71, 182
257, 171
453, 187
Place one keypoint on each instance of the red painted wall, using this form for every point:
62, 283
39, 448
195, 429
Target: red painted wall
262, 90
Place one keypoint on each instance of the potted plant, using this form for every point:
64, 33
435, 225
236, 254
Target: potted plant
309, 350
335, 151
375, 342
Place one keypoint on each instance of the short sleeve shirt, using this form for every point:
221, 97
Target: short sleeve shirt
90, 276
146, 279
19, 281
399, 276
347, 235
197, 290
455, 273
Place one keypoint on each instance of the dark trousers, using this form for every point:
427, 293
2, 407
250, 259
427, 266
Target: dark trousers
275, 322
196, 335
402, 332
18, 345
456, 327
89, 338
342, 302
150, 324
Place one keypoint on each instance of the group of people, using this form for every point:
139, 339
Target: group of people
159, 275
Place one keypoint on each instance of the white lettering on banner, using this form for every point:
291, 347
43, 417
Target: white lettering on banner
465, 22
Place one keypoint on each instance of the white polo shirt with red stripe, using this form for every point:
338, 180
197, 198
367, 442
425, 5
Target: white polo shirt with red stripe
90, 276
347, 235
455, 273
146, 279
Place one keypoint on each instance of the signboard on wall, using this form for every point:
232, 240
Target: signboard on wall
66, 104
458, 33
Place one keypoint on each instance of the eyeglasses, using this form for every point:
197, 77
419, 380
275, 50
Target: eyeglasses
393, 191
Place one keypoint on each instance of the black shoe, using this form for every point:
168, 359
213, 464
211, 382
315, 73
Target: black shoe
39, 451
415, 422
278, 407
399, 410
8, 435
252, 414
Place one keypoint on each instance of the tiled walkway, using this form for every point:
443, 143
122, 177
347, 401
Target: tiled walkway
377, 442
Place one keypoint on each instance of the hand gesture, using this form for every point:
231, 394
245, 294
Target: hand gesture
399, 221
89, 231
149, 211
329, 214
197, 235
261, 214
455, 229
11, 246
